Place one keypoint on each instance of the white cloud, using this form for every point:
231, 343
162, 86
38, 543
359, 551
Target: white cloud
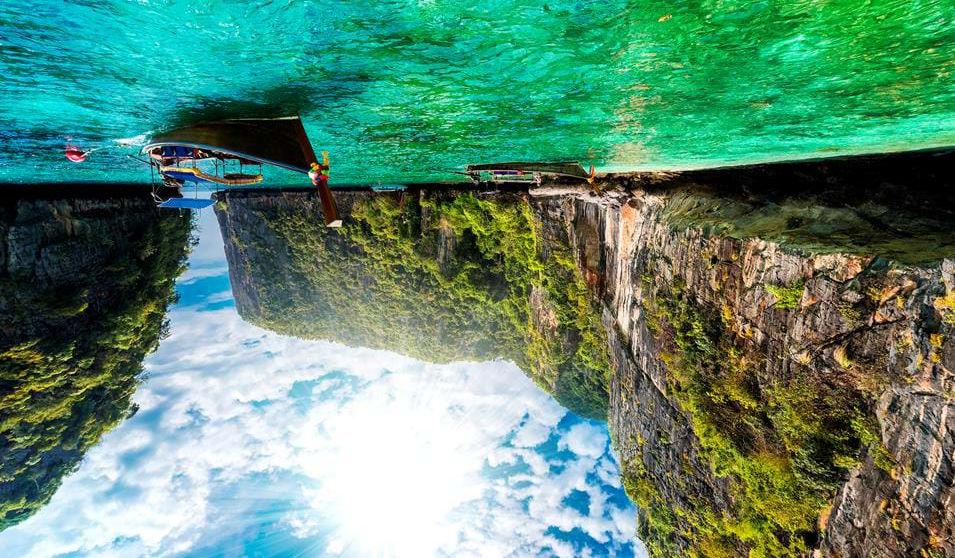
195, 273
585, 439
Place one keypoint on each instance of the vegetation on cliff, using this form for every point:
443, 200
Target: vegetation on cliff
439, 278
71, 347
784, 450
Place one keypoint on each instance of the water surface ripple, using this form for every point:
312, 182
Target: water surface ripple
410, 90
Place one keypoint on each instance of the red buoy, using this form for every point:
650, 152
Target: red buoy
75, 154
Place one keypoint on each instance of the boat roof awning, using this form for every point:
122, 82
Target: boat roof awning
564, 168
281, 142
191, 174
187, 203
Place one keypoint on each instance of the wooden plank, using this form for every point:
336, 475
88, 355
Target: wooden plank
329, 208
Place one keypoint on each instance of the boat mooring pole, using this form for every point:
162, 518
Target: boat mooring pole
329, 208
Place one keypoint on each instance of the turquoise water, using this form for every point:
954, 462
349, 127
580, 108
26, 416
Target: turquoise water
411, 90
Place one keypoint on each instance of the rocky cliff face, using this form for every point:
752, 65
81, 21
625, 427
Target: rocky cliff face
440, 276
84, 284
775, 398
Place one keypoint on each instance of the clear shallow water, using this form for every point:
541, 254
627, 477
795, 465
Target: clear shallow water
250, 443
410, 90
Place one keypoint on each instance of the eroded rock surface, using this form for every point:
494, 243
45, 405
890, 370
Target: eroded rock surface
765, 397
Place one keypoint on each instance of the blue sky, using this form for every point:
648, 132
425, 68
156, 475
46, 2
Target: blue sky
248, 443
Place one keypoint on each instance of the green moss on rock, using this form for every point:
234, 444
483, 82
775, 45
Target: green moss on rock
787, 297
784, 449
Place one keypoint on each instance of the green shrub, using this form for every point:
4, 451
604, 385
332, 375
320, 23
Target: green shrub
70, 379
786, 296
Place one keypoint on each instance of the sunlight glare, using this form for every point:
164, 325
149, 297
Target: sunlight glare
396, 474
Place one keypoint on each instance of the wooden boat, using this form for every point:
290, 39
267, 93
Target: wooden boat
194, 174
280, 142
525, 172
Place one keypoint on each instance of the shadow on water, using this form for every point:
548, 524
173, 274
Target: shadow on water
86, 276
273, 102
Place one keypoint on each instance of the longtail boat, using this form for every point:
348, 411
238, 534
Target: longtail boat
524, 172
280, 142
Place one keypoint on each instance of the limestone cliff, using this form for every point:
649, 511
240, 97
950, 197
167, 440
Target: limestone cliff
775, 398
441, 275
85, 278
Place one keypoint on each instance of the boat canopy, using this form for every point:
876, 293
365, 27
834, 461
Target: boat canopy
272, 141
281, 142
192, 174
569, 169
